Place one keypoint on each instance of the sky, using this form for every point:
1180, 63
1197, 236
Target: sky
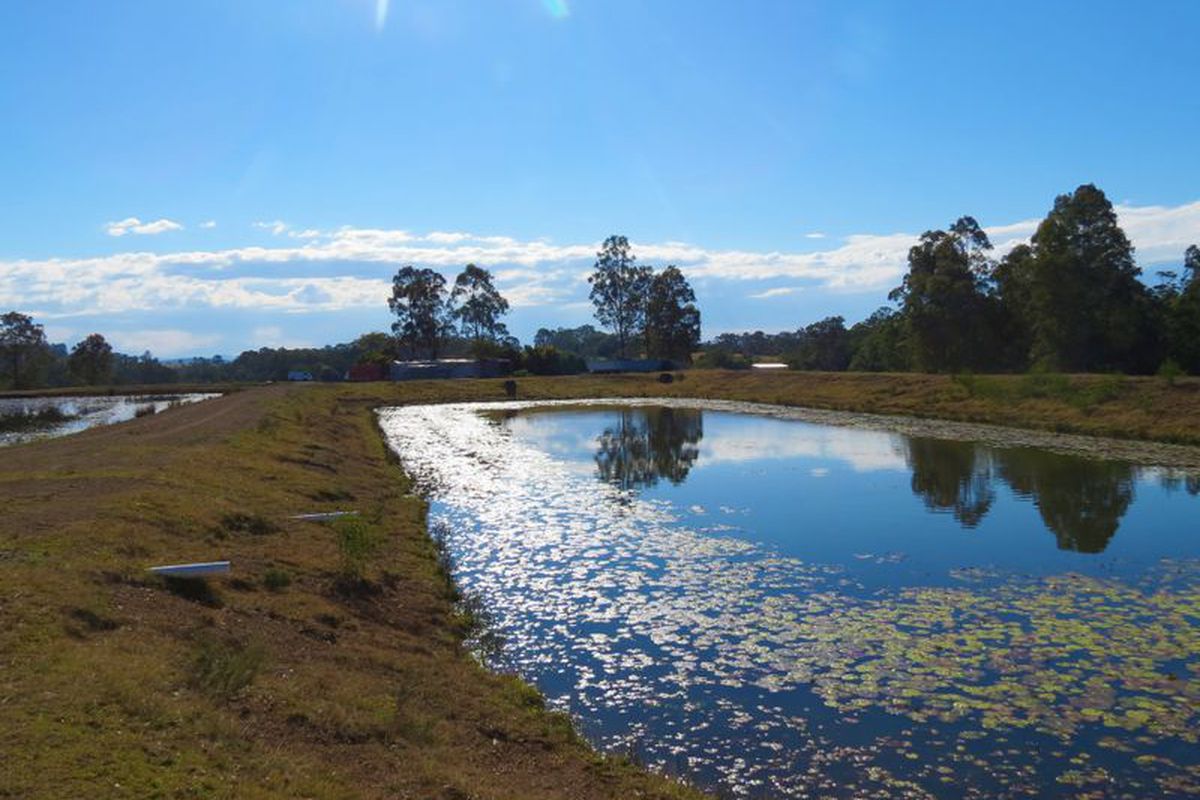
207, 177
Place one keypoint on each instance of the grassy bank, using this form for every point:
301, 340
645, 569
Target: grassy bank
330, 663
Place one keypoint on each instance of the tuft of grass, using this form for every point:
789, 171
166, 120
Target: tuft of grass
1170, 371
222, 669
253, 524
276, 579
357, 543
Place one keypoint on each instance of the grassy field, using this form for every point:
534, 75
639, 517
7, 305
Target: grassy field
330, 663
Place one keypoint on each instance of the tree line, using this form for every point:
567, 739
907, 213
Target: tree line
650, 313
1071, 300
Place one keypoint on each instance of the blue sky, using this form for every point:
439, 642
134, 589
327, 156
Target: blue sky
197, 178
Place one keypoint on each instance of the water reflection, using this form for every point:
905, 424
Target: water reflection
648, 444
1081, 501
952, 476
746, 626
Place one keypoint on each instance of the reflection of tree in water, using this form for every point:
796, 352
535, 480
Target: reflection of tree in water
1174, 481
1081, 500
648, 444
952, 476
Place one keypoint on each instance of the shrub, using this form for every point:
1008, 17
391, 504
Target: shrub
1170, 371
254, 524
721, 359
224, 668
357, 544
276, 579
547, 360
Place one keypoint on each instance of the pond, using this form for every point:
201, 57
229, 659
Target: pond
24, 419
776, 608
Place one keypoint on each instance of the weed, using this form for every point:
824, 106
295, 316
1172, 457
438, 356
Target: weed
222, 669
253, 524
357, 544
276, 579
480, 635
1170, 371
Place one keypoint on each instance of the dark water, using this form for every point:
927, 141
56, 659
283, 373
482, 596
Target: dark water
781, 609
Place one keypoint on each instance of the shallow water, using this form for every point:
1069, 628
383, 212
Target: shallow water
86, 411
784, 609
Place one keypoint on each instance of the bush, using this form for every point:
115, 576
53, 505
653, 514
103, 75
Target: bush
276, 579
1170, 371
357, 544
721, 359
253, 524
222, 669
548, 360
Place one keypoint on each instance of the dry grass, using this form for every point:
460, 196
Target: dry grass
112, 685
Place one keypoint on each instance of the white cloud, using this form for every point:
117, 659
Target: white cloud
169, 342
778, 291
209, 224
814, 235
349, 268
136, 226
276, 227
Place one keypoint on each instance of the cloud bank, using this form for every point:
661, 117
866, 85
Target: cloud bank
312, 270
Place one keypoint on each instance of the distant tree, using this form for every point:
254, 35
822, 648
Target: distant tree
879, 343
619, 289
1181, 301
1088, 309
373, 348
422, 314
23, 349
91, 360
544, 359
583, 341
823, 345
945, 305
478, 306
1013, 281
672, 319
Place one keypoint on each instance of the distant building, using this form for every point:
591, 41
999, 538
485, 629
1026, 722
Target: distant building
300, 375
631, 365
444, 368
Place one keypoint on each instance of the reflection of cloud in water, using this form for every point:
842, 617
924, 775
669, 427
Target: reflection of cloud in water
750, 439
862, 450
